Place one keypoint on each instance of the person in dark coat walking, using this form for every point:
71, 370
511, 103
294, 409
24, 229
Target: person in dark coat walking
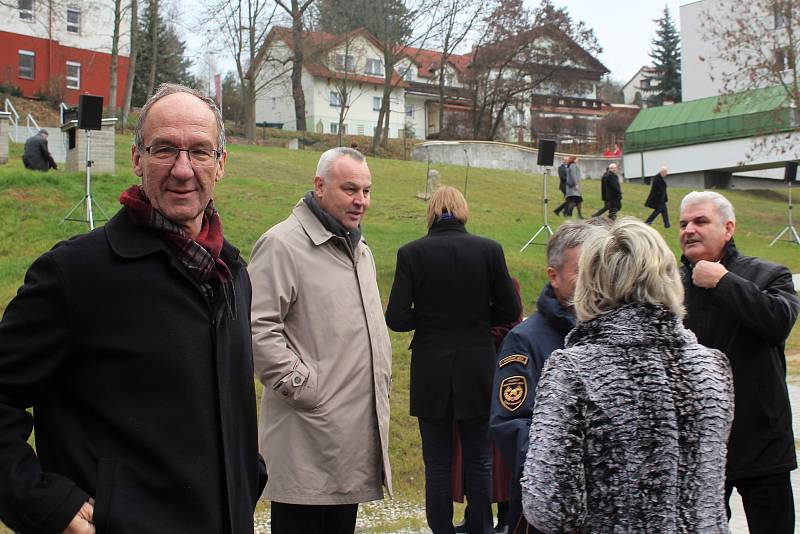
132, 344
657, 199
745, 307
562, 184
451, 288
36, 155
573, 188
524, 352
611, 193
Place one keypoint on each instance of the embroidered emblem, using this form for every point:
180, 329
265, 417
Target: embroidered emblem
513, 391
518, 358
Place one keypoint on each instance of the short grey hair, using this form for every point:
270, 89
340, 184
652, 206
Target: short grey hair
569, 235
626, 263
722, 204
329, 156
166, 89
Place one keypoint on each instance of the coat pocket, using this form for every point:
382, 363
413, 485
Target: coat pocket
104, 494
298, 388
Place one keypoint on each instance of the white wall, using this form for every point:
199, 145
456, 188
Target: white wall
360, 114
95, 30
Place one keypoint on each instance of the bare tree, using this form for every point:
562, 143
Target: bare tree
134, 52
456, 22
296, 9
245, 27
112, 82
152, 12
756, 46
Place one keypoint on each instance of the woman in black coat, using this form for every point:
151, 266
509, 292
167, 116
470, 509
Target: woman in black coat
451, 287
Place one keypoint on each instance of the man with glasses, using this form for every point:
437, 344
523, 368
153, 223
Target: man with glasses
132, 345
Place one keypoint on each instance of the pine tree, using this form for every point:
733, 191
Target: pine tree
171, 63
666, 55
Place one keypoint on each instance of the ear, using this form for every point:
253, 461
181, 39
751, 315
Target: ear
552, 277
136, 161
730, 227
221, 166
319, 185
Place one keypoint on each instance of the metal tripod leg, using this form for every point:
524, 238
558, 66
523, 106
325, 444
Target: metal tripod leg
546, 225
539, 231
793, 236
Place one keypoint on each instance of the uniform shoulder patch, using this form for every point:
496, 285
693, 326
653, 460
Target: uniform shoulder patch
513, 392
513, 358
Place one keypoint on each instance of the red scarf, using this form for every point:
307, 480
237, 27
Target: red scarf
199, 255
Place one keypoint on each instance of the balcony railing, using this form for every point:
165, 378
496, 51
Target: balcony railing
566, 102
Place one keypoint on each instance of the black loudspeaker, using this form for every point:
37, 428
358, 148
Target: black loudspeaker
790, 172
90, 112
547, 150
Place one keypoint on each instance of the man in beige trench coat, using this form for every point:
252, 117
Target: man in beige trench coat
322, 351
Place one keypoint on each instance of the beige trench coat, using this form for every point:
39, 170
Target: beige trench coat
321, 348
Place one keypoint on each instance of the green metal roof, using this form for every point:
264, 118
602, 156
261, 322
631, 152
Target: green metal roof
715, 118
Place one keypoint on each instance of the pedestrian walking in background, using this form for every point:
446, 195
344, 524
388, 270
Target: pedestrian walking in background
573, 191
657, 199
610, 192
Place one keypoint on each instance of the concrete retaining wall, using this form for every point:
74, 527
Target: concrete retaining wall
492, 155
102, 148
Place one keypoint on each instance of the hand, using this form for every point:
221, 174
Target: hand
707, 274
83, 522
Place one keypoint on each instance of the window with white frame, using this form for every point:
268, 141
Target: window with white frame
779, 14
360, 129
25, 9
409, 110
518, 117
408, 73
784, 58
373, 67
27, 64
336, 100
73, 20
73, 75
335, 128
345, 63
376, 103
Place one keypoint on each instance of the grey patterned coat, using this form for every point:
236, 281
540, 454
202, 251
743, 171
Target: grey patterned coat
630, 430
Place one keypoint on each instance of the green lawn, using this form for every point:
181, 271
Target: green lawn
262, 184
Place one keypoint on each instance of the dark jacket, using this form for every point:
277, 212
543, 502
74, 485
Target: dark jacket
519, 364
451, 287
610, 190
142, 391
36, 155
748, 316
562, 178
658, 193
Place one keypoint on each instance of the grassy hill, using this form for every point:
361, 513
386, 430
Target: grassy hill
262, 184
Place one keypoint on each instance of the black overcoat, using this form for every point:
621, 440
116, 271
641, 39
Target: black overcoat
451, 287
610, 190
748, 316
658, 193
142, 391
36, 154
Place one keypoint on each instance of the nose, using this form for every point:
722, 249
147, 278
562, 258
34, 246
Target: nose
182, 168
359, 198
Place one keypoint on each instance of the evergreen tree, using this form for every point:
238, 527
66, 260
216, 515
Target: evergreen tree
171, 63
387, 20
666, 55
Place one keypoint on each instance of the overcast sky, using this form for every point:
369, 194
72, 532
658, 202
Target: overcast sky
624, 28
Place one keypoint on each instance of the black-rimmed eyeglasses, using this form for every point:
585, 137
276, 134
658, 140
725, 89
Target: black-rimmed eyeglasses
168, 155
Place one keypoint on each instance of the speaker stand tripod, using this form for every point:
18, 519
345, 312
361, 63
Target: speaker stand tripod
793, 237
87, 201
546, 225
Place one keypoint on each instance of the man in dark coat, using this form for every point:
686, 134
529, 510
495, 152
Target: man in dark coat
611, 193
563, 169
657, 199
745, 307
524, 352
36, 155
132, 345
451, 287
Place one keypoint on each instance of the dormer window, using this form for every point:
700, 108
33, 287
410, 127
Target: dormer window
373, 67
345, 63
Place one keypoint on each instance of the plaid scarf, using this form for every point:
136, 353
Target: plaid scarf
200, 256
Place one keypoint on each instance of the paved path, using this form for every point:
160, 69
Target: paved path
738, 522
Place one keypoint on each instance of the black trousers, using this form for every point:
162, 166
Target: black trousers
437, 453
662, 209
313, 519
609, 207
768, 503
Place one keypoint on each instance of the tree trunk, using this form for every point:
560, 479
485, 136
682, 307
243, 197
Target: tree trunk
297, 68
112, 85
151, 82
134, 52
249, 107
